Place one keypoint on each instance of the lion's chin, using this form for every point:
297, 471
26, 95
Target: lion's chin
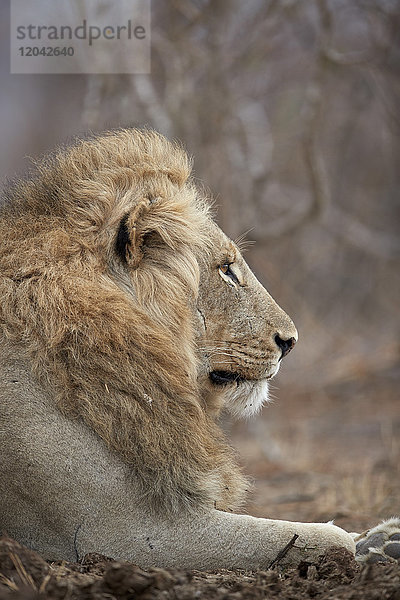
247, 398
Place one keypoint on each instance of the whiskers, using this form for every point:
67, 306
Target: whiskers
247, 398
213, 353
242, 242
216, 350
272, 393
238, 352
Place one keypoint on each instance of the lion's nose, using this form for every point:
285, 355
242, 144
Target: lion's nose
285, 345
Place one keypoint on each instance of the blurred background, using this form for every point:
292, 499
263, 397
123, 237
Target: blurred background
291, 111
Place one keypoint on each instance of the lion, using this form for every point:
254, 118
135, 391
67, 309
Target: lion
129, 322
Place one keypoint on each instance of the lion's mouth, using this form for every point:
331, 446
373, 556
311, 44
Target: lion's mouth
225, 377
222, 378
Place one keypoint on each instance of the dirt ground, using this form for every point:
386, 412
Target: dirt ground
26, 576
332, 453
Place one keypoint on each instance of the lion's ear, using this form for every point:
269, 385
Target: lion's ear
123, 241
131, 231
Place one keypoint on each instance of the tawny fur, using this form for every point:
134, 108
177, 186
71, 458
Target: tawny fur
122, 303
124, 362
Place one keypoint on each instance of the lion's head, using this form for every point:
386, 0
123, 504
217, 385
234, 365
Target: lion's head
242, 333
132, 305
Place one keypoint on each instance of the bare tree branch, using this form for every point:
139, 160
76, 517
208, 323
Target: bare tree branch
350, 229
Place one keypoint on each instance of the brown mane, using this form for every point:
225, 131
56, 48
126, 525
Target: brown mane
112, 337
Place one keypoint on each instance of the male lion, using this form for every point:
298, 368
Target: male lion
128, 322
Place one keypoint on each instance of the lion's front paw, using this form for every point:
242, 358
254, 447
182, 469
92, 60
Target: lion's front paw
379, 544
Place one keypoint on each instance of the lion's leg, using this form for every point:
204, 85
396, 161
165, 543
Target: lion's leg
210, 540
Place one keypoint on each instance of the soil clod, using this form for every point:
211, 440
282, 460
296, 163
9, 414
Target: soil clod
24, 575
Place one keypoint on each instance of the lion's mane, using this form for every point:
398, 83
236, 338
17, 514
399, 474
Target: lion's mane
111, 338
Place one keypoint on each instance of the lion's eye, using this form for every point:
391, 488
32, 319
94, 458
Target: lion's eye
226, 268
228, 274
